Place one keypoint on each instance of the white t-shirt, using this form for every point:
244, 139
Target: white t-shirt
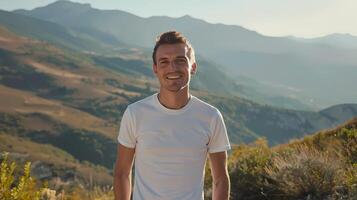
171, 147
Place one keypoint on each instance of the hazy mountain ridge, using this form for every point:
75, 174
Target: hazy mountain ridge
279, 125
84, 72
54, 33
108, 56
342, 40
275, 60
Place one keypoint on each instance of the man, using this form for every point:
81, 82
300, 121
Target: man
170, 133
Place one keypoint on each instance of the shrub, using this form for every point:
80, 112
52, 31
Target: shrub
351, 182
246, 168
25, 187
305, 173
22, 189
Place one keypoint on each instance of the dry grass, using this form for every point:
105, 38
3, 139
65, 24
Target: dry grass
13, 101
24, 150
25, 187
305, 171
321, 166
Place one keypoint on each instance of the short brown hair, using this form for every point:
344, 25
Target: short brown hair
173, 37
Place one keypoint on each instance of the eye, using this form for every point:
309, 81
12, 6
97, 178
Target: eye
180, 61
164, 62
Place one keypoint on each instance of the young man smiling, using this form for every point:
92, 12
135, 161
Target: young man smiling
170, 134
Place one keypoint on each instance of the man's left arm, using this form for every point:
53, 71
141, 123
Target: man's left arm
220, 176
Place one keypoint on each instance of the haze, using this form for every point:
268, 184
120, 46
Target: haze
304, 18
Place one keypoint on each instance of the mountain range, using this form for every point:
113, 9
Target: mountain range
299, 70
337, 39
68, 38
65, 86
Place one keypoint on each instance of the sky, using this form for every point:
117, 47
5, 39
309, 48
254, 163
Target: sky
300, 18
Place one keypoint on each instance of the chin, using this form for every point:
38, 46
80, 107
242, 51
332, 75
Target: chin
173, 89
176, 88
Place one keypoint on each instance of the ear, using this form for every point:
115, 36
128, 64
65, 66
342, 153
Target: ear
193, 68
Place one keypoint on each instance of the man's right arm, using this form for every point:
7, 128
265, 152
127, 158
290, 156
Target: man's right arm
122, 172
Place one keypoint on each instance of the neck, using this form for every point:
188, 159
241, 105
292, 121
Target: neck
174, 100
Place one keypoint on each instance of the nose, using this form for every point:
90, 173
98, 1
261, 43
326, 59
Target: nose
173, 65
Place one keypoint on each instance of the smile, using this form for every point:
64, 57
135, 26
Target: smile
173, 77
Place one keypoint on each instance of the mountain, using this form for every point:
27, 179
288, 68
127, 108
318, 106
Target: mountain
305, 71
275, 124
336, 40
105, 47
340, 112
65, 86
54, 33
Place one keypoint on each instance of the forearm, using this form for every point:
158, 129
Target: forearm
221, 189
122, 187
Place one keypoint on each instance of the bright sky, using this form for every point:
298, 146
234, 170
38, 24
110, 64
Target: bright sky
301, 18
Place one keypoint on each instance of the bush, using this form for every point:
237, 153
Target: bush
22, 189
25, 187
322, 166
351, 182
305, 173
246, 169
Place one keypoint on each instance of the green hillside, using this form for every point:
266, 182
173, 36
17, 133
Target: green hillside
101, 87
51, 163
54, 33
320, 166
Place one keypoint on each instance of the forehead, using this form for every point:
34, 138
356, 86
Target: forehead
172, 50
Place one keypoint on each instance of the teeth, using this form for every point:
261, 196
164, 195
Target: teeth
173, 77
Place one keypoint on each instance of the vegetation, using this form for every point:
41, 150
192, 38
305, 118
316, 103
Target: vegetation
322, 166
21, 76
129, 67
82, 144
107, 108
106, 84
25, 187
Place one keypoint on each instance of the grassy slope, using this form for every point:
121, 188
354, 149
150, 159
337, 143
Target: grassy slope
24, 102
51, 32
320, 166
50, 163
93, 85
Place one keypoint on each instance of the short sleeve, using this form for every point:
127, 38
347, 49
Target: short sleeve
126, 135
219, 138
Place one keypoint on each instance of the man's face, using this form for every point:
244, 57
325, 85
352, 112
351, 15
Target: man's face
173, 67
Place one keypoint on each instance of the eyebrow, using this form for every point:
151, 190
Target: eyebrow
165, 58
160, 59
181, 57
